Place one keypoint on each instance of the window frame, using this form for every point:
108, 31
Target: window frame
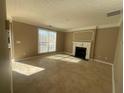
47, 30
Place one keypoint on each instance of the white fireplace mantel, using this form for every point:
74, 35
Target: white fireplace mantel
86, 45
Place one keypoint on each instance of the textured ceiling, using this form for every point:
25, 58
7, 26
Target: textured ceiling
64, 14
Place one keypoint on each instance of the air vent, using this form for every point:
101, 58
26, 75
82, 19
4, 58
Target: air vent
113, 13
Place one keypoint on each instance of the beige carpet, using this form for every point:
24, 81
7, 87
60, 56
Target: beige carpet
61, 74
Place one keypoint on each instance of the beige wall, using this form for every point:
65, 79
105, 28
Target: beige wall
105, 44
27, 35
103, 41
4, 53
79, 36
118, 63
60, 42
68, 45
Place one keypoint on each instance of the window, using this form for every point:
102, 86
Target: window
46, 41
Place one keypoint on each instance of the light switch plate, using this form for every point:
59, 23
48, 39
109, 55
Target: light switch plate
18, 42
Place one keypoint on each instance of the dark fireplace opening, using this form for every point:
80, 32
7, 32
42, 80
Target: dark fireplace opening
80, 52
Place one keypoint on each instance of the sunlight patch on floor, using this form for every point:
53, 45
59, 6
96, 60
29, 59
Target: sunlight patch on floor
66, 58
25, 69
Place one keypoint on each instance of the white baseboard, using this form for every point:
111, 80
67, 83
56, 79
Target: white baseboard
91, 59
27, 58
113, 80
104, 62
37, 56
68, 53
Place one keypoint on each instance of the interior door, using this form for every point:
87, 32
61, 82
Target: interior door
5, 74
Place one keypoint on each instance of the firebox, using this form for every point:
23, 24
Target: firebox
80, 52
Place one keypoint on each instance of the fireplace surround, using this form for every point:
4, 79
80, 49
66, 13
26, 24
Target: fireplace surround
84, 48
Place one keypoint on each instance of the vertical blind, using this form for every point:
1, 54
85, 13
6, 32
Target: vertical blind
46, 41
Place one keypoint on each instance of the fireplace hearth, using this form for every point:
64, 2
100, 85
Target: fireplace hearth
80, 52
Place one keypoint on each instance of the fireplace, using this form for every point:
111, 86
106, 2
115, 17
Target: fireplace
80, 52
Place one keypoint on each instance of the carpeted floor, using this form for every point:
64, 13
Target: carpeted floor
61, 74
